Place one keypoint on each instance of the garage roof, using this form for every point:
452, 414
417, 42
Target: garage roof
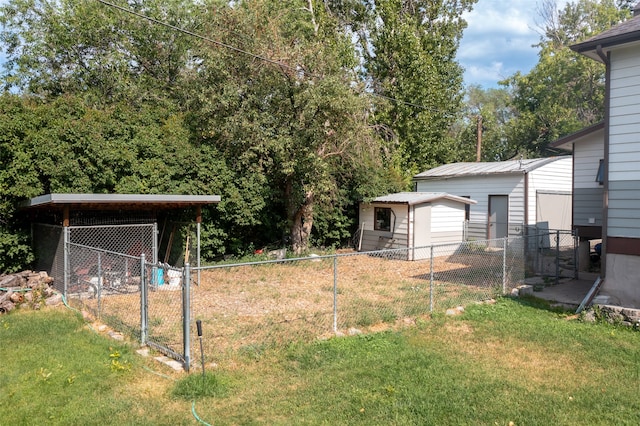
119, 201
412, 198
489, 168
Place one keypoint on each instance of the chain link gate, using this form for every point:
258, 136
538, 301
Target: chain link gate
164, 310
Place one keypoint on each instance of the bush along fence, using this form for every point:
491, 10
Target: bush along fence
246, 308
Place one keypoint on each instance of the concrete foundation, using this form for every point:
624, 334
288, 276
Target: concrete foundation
622, 282
584, 258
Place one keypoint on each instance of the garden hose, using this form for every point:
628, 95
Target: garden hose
195, 415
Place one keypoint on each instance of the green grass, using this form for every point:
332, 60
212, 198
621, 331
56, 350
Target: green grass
512, 361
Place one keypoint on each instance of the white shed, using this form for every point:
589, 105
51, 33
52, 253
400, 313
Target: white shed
509, 194
412, 220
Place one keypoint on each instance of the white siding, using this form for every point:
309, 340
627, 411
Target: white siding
447, 222
624, 124
555, 176
479, 188
624, 144
587, 155
397, 237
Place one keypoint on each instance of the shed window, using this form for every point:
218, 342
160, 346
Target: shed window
600, 175
382, 219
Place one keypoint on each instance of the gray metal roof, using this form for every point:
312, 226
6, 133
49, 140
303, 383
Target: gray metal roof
490, 168
623, 33
412, 198
120, 201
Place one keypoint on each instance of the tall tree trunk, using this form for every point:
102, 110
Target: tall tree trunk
300, 216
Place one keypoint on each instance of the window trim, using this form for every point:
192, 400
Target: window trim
376, 225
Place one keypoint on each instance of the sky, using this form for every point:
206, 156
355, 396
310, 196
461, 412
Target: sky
498, 40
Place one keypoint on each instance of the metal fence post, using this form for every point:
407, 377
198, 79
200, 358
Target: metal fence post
576, 259
198, 250
186, 315
431, 280
143, 301
335, 294
65, 254
504, 265
557, 256
99, 284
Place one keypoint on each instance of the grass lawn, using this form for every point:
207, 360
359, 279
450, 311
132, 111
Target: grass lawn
511, 361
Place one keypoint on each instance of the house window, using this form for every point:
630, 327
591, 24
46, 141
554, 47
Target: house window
382, 219
600, 175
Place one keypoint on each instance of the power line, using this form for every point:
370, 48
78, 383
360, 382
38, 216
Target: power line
244, 52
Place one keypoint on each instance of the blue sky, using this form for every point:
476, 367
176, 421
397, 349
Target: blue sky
498, 40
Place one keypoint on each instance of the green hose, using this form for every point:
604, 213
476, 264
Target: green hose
195, 415
15, 289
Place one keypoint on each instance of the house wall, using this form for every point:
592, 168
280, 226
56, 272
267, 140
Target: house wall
623, 222
587, 193
398, 237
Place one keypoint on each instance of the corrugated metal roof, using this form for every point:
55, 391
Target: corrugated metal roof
412, 198
119, 200
490, 168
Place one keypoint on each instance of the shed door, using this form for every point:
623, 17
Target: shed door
422, 225
498, 216
553, 210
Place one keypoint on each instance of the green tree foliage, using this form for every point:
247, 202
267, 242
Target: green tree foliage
86, 47
564, 91
493, 110
271, 109
287, 119
410, 57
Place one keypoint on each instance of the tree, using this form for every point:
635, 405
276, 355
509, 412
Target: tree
564, 91
57, 47
410, 52
286, 115
491, 110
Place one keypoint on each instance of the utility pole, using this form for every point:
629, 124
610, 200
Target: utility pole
479, 135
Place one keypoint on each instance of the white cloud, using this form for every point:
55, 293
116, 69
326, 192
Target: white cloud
499, 40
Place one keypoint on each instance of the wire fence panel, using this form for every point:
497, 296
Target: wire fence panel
102, 273
552, 253
247, 307
107, 285
162, 301
381, 289
48, 243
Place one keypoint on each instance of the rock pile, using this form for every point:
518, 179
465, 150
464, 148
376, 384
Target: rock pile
28, 288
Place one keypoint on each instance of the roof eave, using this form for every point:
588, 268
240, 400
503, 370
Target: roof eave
566, 142
590, 47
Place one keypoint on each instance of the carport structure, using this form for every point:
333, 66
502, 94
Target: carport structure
116, 223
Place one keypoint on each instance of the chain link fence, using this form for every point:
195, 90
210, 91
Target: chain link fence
246, 308
249, 307
552, 254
